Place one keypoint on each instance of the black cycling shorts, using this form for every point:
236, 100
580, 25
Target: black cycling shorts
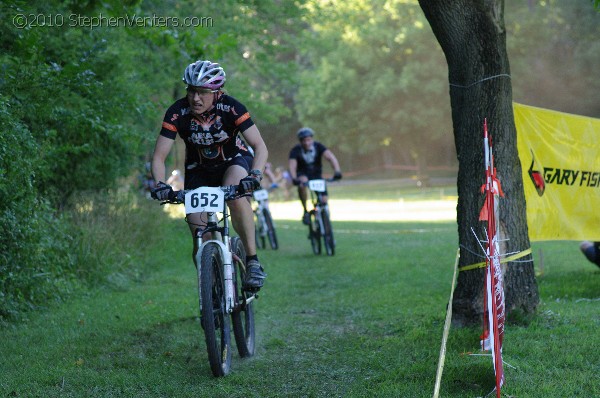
213, 176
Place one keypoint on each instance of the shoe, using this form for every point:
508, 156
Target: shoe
255, 275
306, 218
591, 252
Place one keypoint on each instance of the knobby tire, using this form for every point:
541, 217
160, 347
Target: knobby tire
214, 319
328, 233
314, 233
271, 229
243, 314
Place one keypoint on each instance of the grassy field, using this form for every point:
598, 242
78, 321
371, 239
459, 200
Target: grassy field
365, 323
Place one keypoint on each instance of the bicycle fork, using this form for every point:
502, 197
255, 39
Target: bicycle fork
319, 219
226, 260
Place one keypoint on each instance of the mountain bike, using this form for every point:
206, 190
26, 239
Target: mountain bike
265, 228
320, 223
221, 269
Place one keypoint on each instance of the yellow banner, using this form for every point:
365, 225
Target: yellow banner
560, 157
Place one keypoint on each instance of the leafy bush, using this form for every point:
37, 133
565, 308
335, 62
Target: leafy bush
34, 262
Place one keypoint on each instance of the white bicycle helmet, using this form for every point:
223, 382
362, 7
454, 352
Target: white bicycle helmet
204, 74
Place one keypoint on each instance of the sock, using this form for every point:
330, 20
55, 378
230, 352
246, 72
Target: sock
248, 258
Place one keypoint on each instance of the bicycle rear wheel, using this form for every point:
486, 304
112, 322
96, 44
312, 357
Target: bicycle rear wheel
270, 229
242, 316
314, 233
259, 228
214, 319
328, 233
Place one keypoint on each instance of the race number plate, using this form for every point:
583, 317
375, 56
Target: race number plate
204, 199
261, 194
317, 185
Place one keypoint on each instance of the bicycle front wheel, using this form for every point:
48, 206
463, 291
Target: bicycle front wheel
314, 233
271, 229
242, 316
328, 233
215, 320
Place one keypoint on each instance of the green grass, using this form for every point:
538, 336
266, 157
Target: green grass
365, 323
390, 190
383, 190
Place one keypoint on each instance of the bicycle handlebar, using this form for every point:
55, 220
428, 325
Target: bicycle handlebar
232, 192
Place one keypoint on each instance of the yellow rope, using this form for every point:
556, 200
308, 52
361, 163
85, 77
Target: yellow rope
502, 261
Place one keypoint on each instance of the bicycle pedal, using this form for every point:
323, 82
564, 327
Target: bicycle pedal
251, 289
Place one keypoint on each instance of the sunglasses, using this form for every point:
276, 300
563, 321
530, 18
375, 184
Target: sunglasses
200, 90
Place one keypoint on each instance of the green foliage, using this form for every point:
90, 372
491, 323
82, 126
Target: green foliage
35, 267
251, 40
370, 67
70, 123
79, 109
541, 32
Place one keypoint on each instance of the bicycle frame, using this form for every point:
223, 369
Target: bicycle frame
220, 269
320, 222
316, 197
219, 236
261, 204
264, 226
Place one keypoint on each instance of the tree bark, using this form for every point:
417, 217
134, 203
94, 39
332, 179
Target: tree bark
473, 38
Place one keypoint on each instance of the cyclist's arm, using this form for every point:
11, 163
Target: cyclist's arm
332, 160
255, 140
293, 168
161, 151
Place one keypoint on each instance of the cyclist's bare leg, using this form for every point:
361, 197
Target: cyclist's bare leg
242, 216
197, 220
303, 194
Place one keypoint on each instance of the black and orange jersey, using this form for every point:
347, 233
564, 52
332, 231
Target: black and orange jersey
211, 138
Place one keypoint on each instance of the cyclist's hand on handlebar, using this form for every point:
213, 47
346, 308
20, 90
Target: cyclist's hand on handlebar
300, 180
162, 191
250, 183
337, 175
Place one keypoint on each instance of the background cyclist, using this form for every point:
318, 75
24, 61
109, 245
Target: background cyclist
209, 121
305, 163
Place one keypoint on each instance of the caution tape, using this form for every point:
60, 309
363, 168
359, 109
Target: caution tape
502, 261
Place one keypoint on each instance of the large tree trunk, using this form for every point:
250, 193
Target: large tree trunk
472, 36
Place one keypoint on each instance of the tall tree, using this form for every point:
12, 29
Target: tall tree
473, 38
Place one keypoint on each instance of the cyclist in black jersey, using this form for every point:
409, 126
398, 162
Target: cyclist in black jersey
210, 122
305, 163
